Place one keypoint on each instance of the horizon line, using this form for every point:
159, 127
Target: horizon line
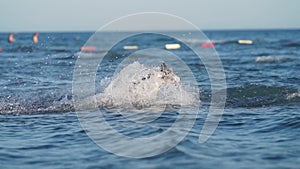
205, 30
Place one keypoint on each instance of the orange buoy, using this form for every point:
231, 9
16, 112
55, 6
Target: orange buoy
1, 49
207, 45
11, 38
88, 48
35, 37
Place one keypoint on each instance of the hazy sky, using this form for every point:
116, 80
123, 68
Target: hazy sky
89, 15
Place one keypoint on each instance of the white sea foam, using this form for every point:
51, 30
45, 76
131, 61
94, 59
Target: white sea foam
139, 86
293, 95
269, 59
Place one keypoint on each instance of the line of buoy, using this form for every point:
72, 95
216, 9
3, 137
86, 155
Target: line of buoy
245, 42
167, 46
11, 38
130, 47
172, 46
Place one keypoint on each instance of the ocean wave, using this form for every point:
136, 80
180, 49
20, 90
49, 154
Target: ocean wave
270, 59
292, 44
135, 87
43, 101
292, 96
247, 96
254, 95
21, 49
17, 108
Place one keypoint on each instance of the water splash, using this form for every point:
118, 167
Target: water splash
138, 86
293, 95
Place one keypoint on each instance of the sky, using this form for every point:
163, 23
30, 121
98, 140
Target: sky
90, 15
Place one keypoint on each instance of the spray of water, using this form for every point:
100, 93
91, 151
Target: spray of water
138, 86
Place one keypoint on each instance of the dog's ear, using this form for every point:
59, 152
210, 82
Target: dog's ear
163, 67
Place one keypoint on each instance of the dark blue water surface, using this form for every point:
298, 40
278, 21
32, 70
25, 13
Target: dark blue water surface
260, 127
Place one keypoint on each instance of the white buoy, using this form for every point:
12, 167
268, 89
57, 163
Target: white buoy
130, 47
172, 46
247, 42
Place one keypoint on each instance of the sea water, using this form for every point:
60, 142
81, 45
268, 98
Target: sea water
259, 128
